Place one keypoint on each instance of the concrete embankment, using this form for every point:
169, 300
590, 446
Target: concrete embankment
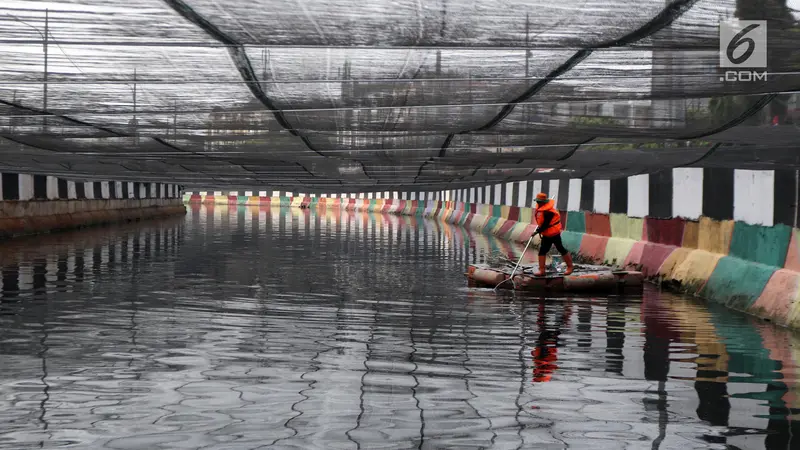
19, 218
751, 268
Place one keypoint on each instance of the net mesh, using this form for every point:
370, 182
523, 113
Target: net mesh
361, 96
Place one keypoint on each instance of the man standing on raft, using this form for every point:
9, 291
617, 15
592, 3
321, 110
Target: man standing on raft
548, 220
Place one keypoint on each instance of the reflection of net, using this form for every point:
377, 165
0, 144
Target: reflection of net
353, 96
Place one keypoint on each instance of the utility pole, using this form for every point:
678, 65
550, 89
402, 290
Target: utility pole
46, 35
135, 122
527, 44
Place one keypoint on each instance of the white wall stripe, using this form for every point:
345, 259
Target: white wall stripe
523, 194
248, 193
687, 192
602, 196
52, 188
509, 201
472, 198
574, 200
639, 195
130, 190
25, 186
487, 193
88, 189
105, 189
552, 191
537, 188
754, 196
72, 193
117, 189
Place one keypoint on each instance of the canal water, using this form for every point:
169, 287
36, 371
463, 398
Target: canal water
244, 328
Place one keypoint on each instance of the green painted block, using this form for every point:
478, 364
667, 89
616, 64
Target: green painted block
572, 241
737, 283
765, 245
490, 224
242, 200
497, 211
576, 221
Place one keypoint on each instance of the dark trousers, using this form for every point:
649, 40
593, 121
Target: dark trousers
548, 242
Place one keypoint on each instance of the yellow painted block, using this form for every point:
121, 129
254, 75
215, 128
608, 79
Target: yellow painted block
478, 222
625, 227
617, 250
505, 211
691, 231
254, 201
525, 215
695, 269
715, 236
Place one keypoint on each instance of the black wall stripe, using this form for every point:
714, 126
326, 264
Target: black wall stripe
112, 189
63, 189
563, 195
80, 191
660, 195
784, 196
717, 193
125, 190
619, 196
531, 195
148, 190
40, 187
515, 193
587, 195
10, 186
137, 190
490, 200
98, 189
503, 193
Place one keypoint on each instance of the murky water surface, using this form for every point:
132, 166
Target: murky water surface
244, 328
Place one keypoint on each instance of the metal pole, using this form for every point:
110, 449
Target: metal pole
527, 43
46, 34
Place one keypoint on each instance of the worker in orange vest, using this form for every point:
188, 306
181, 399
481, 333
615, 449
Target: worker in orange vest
548, 220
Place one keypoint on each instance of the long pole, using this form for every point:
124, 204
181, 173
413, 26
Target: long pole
46, 35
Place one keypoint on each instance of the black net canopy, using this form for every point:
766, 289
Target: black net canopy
346, 95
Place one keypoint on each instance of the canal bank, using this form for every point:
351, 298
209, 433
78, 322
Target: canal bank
717, 234
35, 204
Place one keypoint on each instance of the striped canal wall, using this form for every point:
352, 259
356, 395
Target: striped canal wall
728, 236
31, 204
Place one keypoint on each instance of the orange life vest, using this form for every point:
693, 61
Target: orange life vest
554, 228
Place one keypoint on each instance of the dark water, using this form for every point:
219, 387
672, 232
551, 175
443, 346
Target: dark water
247, 328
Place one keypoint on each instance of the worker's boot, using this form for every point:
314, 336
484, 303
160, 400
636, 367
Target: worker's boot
568, 260
542, 263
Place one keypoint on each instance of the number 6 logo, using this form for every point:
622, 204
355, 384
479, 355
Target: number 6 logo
747, 35
740, 40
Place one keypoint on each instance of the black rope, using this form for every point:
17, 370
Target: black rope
662, 20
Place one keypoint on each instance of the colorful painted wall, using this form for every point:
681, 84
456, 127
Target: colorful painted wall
31, 204
726, 235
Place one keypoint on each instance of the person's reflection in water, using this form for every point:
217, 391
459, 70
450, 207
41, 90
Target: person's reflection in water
545, 354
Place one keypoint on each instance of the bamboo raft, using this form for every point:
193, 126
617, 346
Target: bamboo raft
585, 279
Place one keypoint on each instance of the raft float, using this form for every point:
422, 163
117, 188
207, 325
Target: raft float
585, 279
